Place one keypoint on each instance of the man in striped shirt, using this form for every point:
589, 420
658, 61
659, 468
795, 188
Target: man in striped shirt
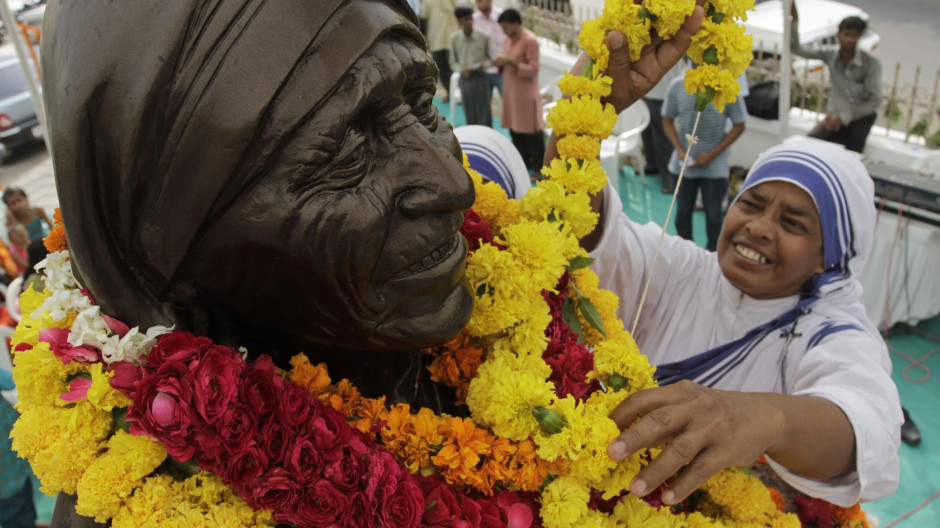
707, 168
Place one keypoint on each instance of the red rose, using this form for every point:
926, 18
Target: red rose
347, 469
517, 509
161, 409
216, 382
295, 406
274, 490
276, 439
126, 376
382, 476
404, 507
237, 428
322, 505
470, 511
243, 468
260, 387
177, 346
210, 452
328, 430
476, 230
441, 508
489, 514
814, 512
303, 461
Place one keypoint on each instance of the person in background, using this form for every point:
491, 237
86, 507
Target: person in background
19, 212
470, 55
707, 168
441, 25
495, 158
522, 102
856, 84
656, 146
17, 509
19, 240
486, 20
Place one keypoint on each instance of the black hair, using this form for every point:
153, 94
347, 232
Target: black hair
10, 191
510, 16
463, 11
853, 22
35, 253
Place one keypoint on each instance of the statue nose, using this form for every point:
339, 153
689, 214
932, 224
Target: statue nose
442, 184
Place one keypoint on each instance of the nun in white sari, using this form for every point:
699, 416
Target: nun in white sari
774, 315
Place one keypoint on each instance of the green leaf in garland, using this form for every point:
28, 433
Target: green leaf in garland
645, 13
571, 317
711, 55
703, 98
552, 217
588, 69
715, 15
550, 420
616, 382
591, 315
118, 413
579, 262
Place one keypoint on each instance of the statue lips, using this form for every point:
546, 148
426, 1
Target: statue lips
444, 263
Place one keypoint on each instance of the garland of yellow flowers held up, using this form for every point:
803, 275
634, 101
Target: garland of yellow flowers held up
525, 435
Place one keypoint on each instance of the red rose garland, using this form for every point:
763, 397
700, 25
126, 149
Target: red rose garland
283, 450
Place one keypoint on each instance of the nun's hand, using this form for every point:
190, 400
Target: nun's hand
702, 431
632, 80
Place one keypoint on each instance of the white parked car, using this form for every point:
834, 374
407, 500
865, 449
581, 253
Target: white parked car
819, 23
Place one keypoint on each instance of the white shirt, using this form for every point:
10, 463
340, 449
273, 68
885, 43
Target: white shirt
490, 26
691, 307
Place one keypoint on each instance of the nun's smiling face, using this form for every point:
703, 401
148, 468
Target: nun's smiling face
771, 242
356, 220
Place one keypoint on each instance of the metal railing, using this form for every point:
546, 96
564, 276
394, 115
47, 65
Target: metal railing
908, 109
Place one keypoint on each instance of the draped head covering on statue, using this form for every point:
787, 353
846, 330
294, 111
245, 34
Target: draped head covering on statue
258, 169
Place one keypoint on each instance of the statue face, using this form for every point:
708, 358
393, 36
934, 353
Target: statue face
351, 235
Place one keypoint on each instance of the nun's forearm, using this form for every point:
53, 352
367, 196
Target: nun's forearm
816, 439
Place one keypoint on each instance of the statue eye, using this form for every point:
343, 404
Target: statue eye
423, 108
353, 159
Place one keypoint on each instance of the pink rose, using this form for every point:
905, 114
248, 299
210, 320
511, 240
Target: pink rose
260, 387
322, 505
243, 468
216, 382
404, 507
58, 339
162, 410
304, 462
237, 428
382, 476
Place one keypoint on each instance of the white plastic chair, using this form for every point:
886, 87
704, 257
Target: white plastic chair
626, 141
455, 97
6, 362
14, 289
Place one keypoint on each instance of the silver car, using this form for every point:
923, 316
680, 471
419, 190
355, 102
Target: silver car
18, 122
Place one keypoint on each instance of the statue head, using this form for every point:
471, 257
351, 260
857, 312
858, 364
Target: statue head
252, 170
